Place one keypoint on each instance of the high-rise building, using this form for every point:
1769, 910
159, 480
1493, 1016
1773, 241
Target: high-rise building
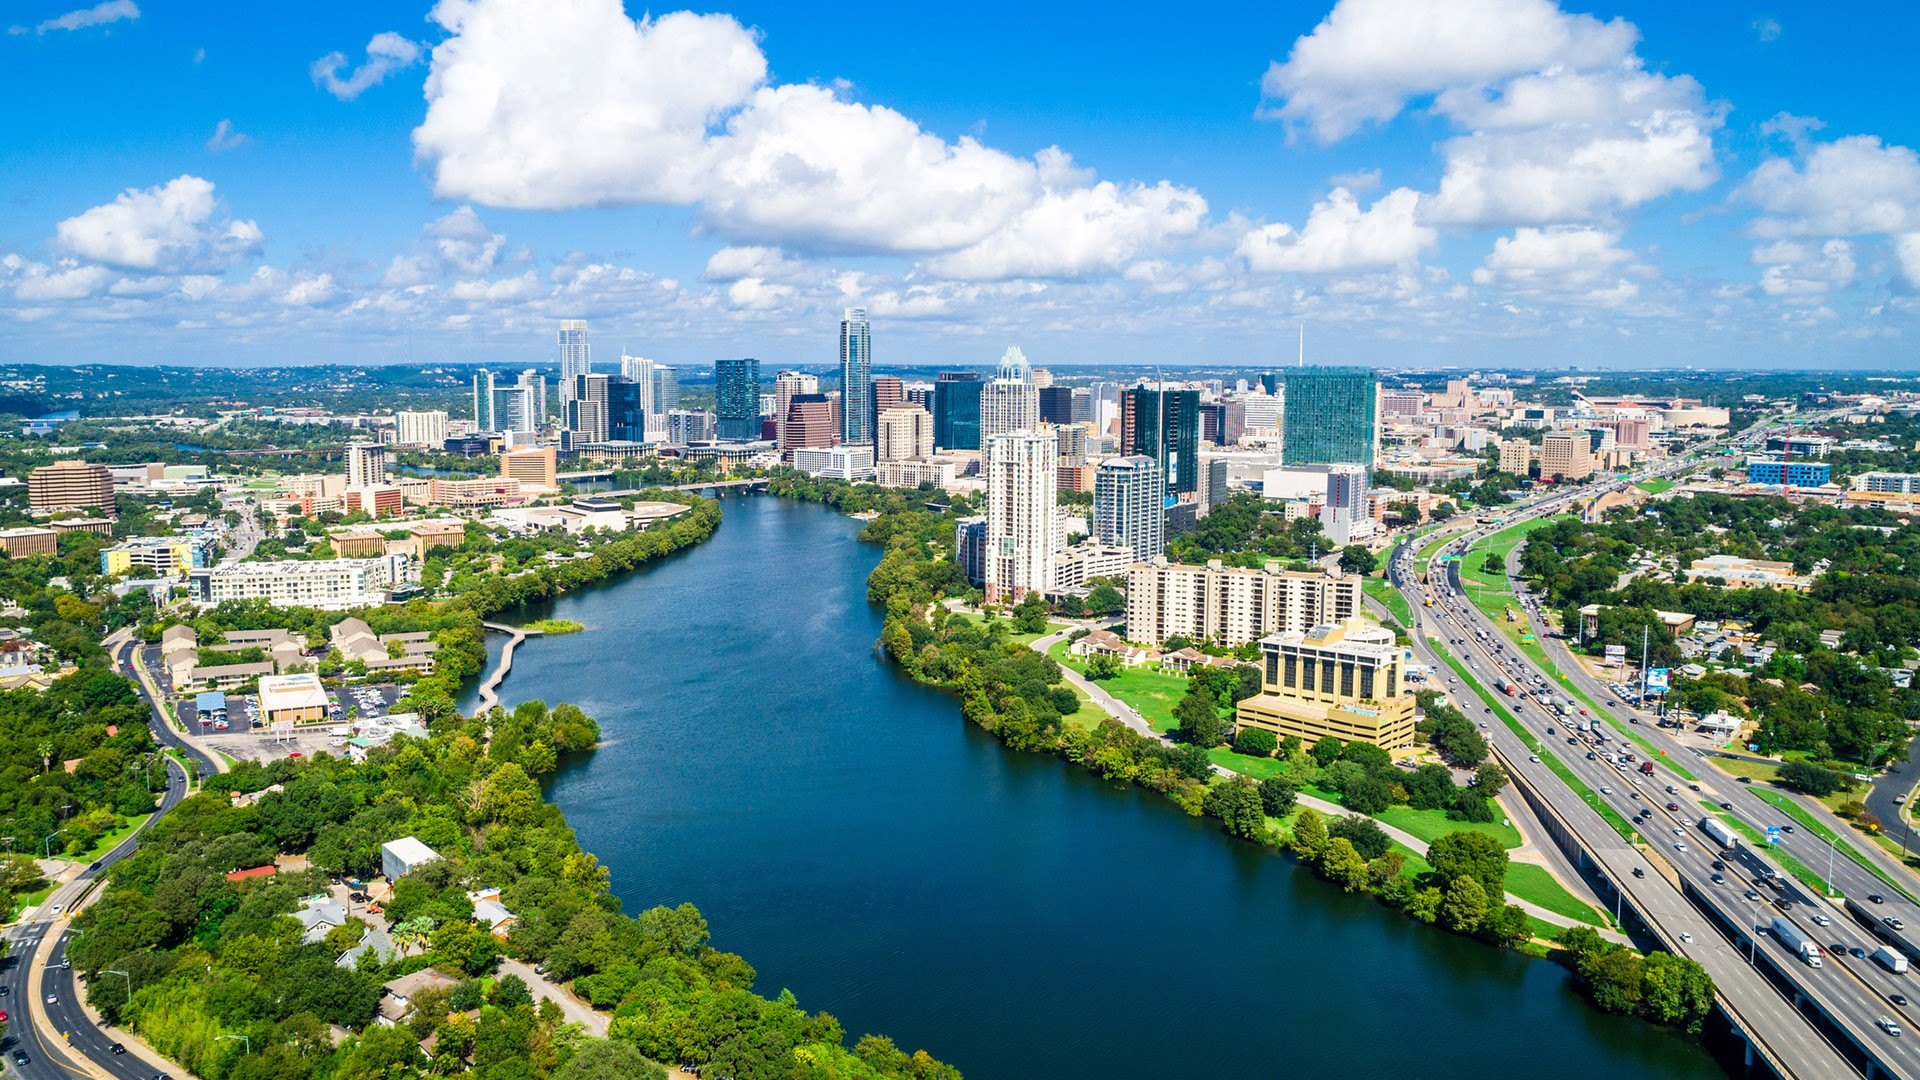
1213, 422
970, 548
576, 356
736, 399
1566, 455
366, 464
1056, 404
586, 405
786, 386
956, 410
689, 426
1023, 524
889, 392
905, 432
425, 428
808, 424
1165, 426
666, 388
1010, 402
1270, 382
1329, 416
1213, 484
1129, 505
1073, 444
507, 408
640, 373
1340, 679
1081, 410
70, 485
1344, 516
1515, 456
1402, 402
533, 466
535, 384
856, 378
1232, 605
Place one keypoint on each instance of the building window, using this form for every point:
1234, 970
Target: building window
1366, 682
1346, 680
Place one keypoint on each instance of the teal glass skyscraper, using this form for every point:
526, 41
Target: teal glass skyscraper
736, 400
956, 410
856, 378
1329, 416
1165, 426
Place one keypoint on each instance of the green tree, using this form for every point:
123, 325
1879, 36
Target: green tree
1490, 779
1363, 833
1309, 834
1614, 977
609, 1059
1236, 802
1326, 750
1255, 741
1342, 865
1357, 559
1463, 905
1030, 615
1276, 796
1468, 854
1102, 666
1199, 718
1105, 600
1676, 990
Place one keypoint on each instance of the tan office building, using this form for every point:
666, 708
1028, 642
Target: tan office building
534, 466
1231, 605
1515, 456
1340, 679
27, 542
904, 433
1566, 455
70, 485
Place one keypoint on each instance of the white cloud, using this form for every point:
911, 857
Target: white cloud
112, 11
1340, 237
387, 53
752, 260
1560, 121
1566, 263
1767, 28
168, 227
464, 242
226, 138
1845, 187
1798, 271
542, 107
1907, 247
37, 282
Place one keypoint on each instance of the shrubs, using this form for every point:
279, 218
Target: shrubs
1256, 742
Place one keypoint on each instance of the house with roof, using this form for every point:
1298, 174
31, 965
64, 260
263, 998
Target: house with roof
397, 995
355, 640
319, 914
1108, 643
490, 913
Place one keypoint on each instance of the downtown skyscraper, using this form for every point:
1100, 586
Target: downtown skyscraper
576, 357
856, 378
736, 399
1328, 416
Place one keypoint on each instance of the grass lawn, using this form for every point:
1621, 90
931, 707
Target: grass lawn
1536, 885
1765, 771
1390, 597
1151, 692
1780, 855
1656, 486
1431, 825
1255, 768
111, 840
1021, 639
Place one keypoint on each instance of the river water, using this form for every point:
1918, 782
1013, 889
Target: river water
861, 845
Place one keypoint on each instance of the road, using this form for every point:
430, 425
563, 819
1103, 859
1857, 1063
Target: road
1856, 993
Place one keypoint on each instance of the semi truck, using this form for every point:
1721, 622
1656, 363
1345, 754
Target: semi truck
1720, 833
1891, 958
1646, 768
1797, 943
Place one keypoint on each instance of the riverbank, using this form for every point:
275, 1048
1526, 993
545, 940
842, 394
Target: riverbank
1019, 696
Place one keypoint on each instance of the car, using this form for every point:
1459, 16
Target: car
93, 866
1686, 937
1589, 755
1693, 787
1672, 806
1743, 779
21, 1060
1679, 847
1535, 758
116, 1049
1719, 879
1887, 1025
64, 964
1786, 828
1751, 895
1897, 924
53, 999
1822, 920
1897, 999
1857, 953
1726, 806
1605, 790
1875, 898
1718, 865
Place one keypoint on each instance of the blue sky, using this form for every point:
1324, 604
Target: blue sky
1471, 181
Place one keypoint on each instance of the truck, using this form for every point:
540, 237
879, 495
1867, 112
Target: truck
1507, 687
1891, 958
1646, 768
1797, 943
1720, 833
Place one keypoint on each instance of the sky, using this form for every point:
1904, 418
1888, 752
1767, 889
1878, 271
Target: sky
1480, 182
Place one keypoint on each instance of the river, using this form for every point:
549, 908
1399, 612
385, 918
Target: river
854, 839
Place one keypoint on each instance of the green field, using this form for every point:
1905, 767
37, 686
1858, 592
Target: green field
1016, 638
1655, 487
1537, 885
1152, 693
1431, 825
111, 840
1389, 597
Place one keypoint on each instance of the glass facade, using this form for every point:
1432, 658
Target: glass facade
736, 400
856, 378
1329, 416
1165, 425
956, 410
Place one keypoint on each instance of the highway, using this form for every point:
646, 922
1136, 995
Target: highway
1854, 991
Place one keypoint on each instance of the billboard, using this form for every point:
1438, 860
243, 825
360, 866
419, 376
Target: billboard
1656, 680
1616, 654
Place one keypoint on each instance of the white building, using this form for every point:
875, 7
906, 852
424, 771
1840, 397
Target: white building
401, 857
1011, 402
1231, 605
1081, 563
1344, 517
366, 465
785, 386
427, 428
851, 463
1128, 510
939, 472
326, 584
1023, 526
904, 433
576, 356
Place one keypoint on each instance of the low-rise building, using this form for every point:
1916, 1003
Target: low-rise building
25, 543
156, 555
1078, 565
1734, 572
401, 857
292, 699
1108, 643
356, 641
326, 584
852, 463
1339, 679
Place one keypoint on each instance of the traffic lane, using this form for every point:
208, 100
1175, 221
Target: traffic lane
1886, 795
161, 729
15, 992
77, 1029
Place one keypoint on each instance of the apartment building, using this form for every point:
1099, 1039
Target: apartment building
325, 584
1566, 455
70, 485
1232, 605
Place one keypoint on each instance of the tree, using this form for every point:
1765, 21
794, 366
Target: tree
1489, 779
1463, 905
1309, 834
1199, 717
1258, 742
609, 1059
1276, 796
1614, 978
1363, 833
1030, 615
1468, 854
1811, 779
1104, 599
1507, 926
1367, 793
1675, 990
1357, 559
1102, 666
1342, 865
1326, 751
1236, 802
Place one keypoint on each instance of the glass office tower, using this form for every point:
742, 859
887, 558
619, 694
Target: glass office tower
736, 399
1165, 426
956, 410
1329, 416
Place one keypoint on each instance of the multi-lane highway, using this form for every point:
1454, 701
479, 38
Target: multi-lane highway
1865, 1003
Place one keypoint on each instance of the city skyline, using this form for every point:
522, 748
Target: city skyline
1630, 185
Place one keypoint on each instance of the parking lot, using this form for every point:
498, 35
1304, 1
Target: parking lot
242, 738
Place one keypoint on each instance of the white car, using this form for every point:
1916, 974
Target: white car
1686, 938
1822, 920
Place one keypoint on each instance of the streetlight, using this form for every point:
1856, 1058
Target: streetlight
46, 850
248, 1042
124, 975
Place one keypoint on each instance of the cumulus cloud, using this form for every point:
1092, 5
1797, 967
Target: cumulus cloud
1767, 28
1794, 270
1907, 248
112, 11
1340, 237
387, 53
1566, 262
1845, 187
1560, 121
225, 138
533, 106
172, 226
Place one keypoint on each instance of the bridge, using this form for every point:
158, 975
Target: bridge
716, 488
